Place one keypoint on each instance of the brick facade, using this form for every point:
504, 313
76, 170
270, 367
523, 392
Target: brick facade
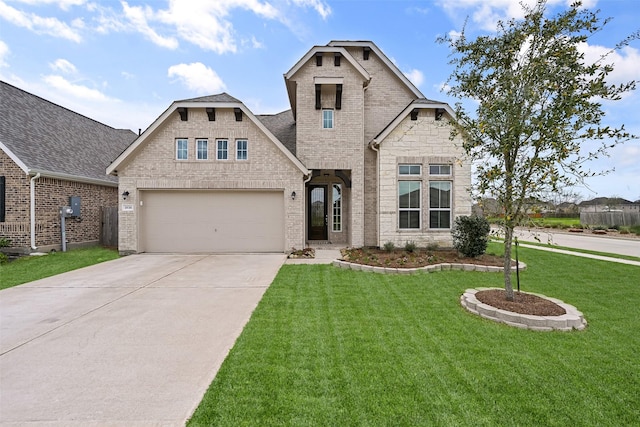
50, 195
155, 167
423, 141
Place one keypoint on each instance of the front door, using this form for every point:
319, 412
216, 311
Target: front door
317, 209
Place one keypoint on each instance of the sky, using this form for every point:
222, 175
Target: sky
123, 63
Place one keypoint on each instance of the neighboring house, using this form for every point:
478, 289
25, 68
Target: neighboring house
49, 154
608, 204
362, 158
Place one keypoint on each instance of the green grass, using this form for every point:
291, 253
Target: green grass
331, 347
30, 268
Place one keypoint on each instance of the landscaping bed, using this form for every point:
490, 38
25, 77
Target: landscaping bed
399, 258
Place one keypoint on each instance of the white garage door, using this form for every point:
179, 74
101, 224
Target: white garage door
188, 221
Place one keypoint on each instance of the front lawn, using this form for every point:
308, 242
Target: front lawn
30, 268
333, 347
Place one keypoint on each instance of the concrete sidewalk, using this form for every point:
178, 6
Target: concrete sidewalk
581, 254
323, 256
130, 342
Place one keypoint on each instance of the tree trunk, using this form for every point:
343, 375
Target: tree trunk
508, 237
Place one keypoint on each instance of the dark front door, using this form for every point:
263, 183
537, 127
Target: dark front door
317, 212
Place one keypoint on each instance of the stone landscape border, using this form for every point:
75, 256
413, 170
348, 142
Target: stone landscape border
573, 319
427, 269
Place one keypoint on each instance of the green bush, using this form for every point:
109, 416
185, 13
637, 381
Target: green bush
389, 247
470, 235
410, 246
3, 258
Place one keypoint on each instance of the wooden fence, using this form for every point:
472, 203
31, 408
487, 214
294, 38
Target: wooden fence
109, 232
610, 219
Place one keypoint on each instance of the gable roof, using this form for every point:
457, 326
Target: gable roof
222, 100
392, 67
43, 137
422, 103
291, 86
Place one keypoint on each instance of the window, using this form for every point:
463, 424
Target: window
409, 169
337, 207
440, 204
223, 149
439, 169
327, 119
182, 152
242, 147
409, 204
202, 149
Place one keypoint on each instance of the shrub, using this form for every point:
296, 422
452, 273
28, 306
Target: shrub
470, 235
410, 246
4, 242
432, 246
389, 247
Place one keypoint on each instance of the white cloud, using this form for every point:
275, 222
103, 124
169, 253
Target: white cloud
625, 61
41, 25
320, 6
75, 90
4, 52
62, 4
415, 76
138, 16
63, 66
198, 78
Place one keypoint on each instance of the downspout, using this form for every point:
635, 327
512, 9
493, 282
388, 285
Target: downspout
33, 210
377, 150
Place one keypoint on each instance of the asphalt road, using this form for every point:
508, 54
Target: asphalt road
613, 245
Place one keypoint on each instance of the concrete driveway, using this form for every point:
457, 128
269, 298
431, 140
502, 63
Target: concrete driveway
134, 341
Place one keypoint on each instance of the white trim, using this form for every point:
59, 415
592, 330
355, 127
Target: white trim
246, 149
422, 106
206, 153
32, 210
139, 142
177, 157
15, 158
218, 149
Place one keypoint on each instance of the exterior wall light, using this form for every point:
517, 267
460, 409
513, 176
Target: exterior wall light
125, 195
293, 195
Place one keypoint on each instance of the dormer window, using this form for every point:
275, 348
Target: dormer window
327, 119
319, 59
336, 59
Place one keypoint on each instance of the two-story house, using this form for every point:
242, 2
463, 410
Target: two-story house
362, 158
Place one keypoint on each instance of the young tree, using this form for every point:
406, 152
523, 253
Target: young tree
539, 106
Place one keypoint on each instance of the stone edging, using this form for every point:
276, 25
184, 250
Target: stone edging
573, 319
428, 269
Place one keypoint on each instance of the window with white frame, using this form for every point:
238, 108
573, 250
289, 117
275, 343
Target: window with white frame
439, 169
327, 119
182, 150
242, 149
222, 149
440, 204
337, 207
202, 149
409, 204
415, 170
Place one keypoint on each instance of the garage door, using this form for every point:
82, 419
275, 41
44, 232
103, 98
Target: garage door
212, 221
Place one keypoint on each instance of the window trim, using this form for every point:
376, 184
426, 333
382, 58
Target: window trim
220, 150
206, 149
410, 209
246, 149
186, 149
336, 213
441, 209
333, 118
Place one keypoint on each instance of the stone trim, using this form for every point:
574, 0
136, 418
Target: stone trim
573, 319
427, 269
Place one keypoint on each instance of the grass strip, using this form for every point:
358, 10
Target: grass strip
30, 268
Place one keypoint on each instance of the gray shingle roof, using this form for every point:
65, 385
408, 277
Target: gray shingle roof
49, 138
221, 97
283, 126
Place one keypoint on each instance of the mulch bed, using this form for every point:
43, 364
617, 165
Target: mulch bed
523, 303
399, 258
